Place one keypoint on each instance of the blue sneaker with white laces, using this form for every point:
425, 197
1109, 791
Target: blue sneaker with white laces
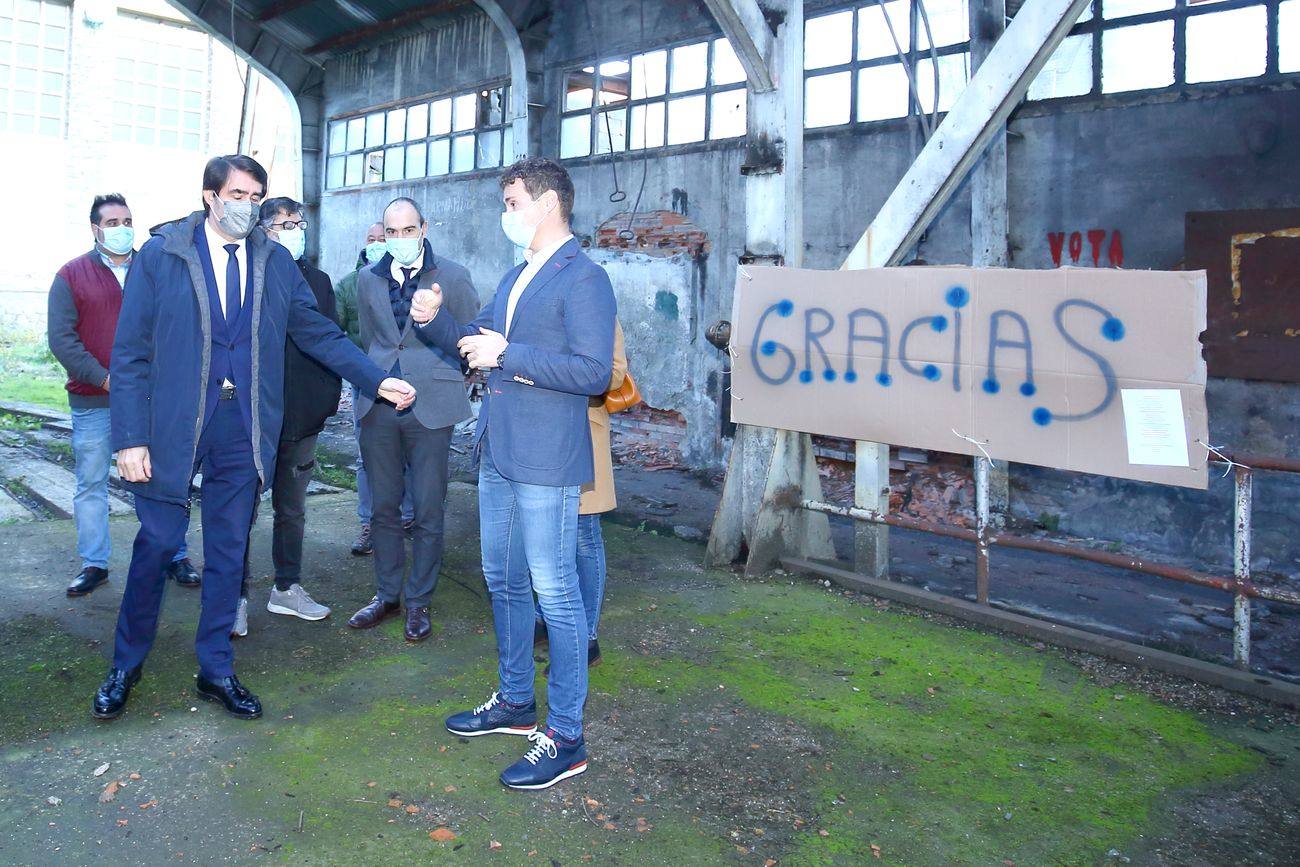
551, 759
495, 716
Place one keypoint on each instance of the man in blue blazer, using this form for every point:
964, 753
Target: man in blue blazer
547, 342
198, 381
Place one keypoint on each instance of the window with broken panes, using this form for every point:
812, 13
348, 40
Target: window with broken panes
673, 96
881, 61
33, 66
160, 83
886, 60
424, 139
1122, 46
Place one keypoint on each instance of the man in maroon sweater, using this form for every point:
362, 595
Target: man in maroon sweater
84, 302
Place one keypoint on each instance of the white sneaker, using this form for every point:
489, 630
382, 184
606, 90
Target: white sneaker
240, 629
296, 603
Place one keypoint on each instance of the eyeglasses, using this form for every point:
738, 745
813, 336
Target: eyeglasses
289, 224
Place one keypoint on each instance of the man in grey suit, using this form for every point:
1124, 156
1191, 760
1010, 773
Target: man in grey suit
419, 436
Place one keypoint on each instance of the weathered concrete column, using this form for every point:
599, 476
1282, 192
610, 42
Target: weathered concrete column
988, 210
757, 510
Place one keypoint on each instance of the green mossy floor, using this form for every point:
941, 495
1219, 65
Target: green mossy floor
731, 722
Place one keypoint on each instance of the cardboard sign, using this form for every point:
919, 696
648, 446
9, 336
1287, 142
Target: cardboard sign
1031, 364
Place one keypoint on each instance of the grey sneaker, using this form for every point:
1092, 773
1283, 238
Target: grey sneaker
240, 629
296, 603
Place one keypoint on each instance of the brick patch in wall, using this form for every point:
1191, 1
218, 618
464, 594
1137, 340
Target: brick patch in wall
655, 233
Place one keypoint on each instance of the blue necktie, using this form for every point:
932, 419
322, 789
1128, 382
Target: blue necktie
232, 287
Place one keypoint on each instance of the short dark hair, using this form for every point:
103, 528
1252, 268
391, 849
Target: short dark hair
275, 206
539, 175
101, 201
405, 200
218, 170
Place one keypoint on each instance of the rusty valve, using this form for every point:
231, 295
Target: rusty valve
719, 334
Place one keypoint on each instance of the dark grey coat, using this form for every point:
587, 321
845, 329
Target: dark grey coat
438, 378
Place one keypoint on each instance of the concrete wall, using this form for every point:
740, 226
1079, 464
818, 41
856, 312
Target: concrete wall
1133, 166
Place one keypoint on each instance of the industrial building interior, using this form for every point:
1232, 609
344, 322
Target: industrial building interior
819, 649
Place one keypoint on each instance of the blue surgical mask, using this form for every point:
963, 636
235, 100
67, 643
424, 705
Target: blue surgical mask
295, 241
405, 250
118, 240
375, 251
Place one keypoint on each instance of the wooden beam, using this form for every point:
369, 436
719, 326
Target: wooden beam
980, 112
351, 38
747, 31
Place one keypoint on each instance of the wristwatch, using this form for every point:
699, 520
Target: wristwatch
501, 359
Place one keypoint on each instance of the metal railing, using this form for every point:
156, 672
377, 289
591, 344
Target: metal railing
985, 536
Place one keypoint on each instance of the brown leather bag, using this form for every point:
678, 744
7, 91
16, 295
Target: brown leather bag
626, 396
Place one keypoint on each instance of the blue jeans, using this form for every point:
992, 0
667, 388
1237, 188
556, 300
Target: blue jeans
531, 530
92, 453
591, 571
366, 503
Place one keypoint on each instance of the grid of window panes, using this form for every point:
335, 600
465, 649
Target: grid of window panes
1120, 46
33, 66
425, 139
690, 93
159, 81
856, 61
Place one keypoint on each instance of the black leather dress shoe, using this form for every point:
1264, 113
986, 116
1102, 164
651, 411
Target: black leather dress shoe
418, 627
88, 579
232, 695
184, 573
110, 698
375, 613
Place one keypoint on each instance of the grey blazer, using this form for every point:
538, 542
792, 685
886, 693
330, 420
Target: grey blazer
439, 381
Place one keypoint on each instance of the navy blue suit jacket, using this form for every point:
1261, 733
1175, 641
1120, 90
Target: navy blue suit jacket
163, 351
561, 352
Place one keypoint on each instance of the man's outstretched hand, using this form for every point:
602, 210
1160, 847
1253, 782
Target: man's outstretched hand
398, 391
133, 464
425, 304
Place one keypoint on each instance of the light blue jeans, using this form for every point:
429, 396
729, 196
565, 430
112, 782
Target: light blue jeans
591, 571
92, 452
532, 530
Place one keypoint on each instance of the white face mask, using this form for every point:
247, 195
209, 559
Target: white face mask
294, 240
517, 230
118, 240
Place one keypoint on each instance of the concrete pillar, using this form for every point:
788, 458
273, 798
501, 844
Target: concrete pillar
988, 211
764, 462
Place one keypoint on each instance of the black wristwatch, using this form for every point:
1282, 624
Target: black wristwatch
501, 359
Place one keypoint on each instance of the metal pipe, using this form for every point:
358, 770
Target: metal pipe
981, 530
1262, 462
1028, 543
1241, 568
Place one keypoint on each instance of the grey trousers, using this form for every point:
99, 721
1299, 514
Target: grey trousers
389, 442
293, 470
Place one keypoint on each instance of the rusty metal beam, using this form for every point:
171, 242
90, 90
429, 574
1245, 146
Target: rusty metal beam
351, 38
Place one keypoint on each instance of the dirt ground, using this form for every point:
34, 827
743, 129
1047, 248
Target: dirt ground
731, 722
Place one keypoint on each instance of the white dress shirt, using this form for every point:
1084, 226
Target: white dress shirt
535, 263
119, 271
396, 268
217, 252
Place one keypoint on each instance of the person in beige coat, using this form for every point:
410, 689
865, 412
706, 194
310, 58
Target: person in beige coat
597, 498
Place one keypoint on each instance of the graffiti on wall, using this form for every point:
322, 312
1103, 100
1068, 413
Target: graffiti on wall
1079, 248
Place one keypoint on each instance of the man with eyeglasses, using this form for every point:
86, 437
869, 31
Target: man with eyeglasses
311, 395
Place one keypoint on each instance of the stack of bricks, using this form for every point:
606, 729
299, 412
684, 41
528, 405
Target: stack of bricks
655, 233
649, 437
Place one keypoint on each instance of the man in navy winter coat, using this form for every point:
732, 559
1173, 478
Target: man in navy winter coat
198, 382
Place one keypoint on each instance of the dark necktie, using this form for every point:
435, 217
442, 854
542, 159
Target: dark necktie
232, 286
406, 276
